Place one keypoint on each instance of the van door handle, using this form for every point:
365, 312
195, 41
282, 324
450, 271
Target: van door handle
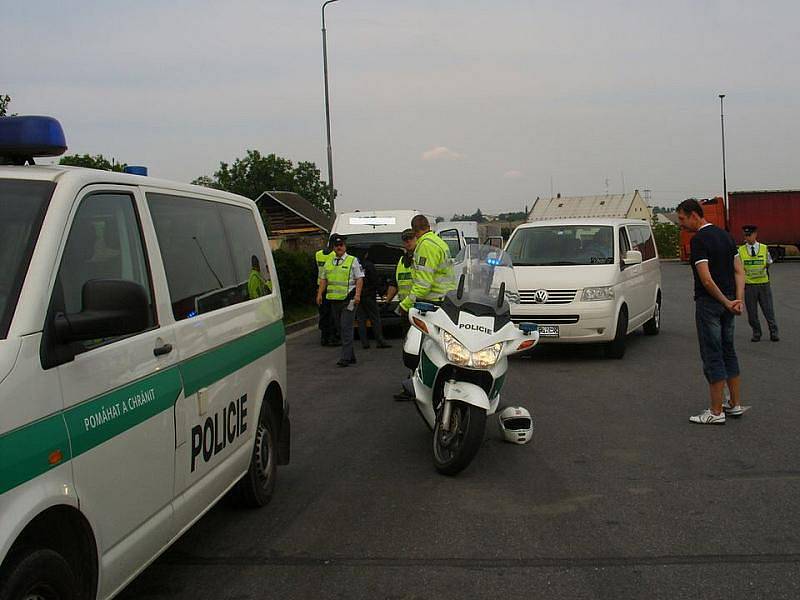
162, 350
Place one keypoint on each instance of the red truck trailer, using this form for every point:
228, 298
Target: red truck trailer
775, 212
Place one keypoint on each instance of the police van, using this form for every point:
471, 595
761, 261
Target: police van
142, 366
378, 234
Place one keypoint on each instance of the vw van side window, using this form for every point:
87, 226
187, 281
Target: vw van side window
247, 249
212, 252
644, 242
104, 244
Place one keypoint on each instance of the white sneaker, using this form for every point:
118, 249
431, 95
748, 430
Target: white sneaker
708, 418
734, 411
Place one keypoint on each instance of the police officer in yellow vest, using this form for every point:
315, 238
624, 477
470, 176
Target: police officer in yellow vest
340, 283
329, 335
400, 286
431, 276
432, 273
756, 259
257, 284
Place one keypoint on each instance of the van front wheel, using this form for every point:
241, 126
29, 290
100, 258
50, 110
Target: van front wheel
41, 574
616, 348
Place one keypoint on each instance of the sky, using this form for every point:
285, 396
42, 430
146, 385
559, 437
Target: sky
438, 105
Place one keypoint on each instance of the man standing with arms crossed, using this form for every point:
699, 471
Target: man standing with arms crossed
756, 260
719, 296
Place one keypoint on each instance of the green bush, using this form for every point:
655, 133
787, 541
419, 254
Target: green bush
297, 274
667, 238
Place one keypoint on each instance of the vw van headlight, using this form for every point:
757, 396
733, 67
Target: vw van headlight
455, 350
591, 294
483, 359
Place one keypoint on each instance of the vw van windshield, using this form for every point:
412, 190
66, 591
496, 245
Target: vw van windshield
562, 245
22, 207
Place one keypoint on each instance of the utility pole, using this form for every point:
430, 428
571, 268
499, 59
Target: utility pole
724, 176
328, 110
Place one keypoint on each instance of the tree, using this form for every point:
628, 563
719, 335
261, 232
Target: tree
92, 162
5, 100
667, 238
255, 173
476, 216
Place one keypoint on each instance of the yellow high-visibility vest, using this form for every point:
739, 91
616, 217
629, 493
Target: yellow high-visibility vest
755, 267
338, 277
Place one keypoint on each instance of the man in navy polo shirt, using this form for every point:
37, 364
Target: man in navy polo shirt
719, 297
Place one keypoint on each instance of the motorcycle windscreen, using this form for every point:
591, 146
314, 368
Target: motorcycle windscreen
482, 274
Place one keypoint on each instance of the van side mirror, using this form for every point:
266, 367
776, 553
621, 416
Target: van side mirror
111, 308
495, 241
632, 257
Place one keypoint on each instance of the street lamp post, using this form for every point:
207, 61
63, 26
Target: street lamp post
724, 177
328, 109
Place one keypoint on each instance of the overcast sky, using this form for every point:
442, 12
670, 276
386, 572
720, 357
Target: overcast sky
445, 105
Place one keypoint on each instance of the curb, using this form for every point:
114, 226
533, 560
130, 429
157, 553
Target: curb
302, 325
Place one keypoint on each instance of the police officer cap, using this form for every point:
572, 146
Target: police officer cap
408, 234
748, 229
337, 239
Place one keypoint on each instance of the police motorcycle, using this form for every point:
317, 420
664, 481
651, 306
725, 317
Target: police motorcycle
459, 352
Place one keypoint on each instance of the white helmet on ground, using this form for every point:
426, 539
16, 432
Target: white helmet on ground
516, 424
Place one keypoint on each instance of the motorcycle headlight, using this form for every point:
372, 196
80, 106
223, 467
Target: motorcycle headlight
483, 359
591, 294
455, 350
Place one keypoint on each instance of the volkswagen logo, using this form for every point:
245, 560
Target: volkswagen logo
540, 296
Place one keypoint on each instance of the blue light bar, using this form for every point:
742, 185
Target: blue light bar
136, 170
22, 138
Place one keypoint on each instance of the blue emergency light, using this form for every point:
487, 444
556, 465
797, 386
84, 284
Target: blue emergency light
23, 138
136, 170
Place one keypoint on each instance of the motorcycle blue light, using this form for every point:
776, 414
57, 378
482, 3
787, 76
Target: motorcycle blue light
22, 138
493, 261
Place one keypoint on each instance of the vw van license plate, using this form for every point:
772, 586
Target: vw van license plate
548, 331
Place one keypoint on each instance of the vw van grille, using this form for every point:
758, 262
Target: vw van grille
546, 319
553, 296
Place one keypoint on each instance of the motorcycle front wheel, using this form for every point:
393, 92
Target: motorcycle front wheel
454, 449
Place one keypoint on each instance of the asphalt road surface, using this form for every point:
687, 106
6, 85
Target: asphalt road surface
618, 496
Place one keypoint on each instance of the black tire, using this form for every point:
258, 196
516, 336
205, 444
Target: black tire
452, 453
255, 489
653, 326
40, 574
616, 348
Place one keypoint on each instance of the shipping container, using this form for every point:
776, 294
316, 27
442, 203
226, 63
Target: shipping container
776, 213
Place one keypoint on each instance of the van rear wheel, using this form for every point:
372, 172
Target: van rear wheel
653, 326
255, 489
38, 575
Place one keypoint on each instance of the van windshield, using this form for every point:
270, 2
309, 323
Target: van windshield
555, 245
22, 207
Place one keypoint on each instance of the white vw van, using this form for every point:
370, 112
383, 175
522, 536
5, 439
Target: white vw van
587, 280
142, 366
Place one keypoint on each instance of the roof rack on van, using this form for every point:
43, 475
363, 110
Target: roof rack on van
23, 138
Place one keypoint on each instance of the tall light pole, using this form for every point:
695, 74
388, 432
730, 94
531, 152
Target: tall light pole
724, 177
328, 109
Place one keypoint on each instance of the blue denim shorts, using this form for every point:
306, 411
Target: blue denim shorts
715, 334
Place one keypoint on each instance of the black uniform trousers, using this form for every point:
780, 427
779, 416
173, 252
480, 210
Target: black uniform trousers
368, 309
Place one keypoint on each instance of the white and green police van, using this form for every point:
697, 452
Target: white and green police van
142, 366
